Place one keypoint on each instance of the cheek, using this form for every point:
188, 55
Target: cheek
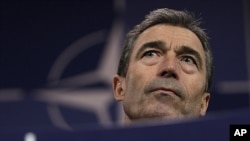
136, 80
133, 87
193, 83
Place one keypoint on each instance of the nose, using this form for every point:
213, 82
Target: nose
168, 68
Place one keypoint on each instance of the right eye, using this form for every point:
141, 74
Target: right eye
151, 53
151, 57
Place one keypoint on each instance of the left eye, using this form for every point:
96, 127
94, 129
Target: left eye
188, 60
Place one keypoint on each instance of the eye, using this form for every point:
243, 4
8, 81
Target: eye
151, 53
188, 60
151, 57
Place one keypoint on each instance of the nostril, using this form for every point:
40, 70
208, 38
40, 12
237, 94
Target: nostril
164, 73
168, 74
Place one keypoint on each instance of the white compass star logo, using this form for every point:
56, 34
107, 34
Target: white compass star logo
96, 100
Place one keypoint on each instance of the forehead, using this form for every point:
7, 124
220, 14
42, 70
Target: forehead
173, 36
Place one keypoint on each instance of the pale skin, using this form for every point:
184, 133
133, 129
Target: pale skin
166, 76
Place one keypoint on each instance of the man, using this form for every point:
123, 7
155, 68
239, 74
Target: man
165, 69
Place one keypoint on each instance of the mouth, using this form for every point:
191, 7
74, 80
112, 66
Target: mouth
164, 91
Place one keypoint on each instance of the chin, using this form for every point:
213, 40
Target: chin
159, 110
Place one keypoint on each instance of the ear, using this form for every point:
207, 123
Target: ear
118, 87
204, 103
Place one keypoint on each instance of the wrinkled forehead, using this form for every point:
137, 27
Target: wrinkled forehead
172, 36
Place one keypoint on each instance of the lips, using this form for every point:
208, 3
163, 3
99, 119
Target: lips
164, 91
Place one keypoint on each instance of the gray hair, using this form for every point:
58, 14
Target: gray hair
172, 17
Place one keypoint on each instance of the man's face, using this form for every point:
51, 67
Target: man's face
166, 76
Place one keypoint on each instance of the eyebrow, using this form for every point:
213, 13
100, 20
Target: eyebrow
153, 44
191, 51
180, 50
